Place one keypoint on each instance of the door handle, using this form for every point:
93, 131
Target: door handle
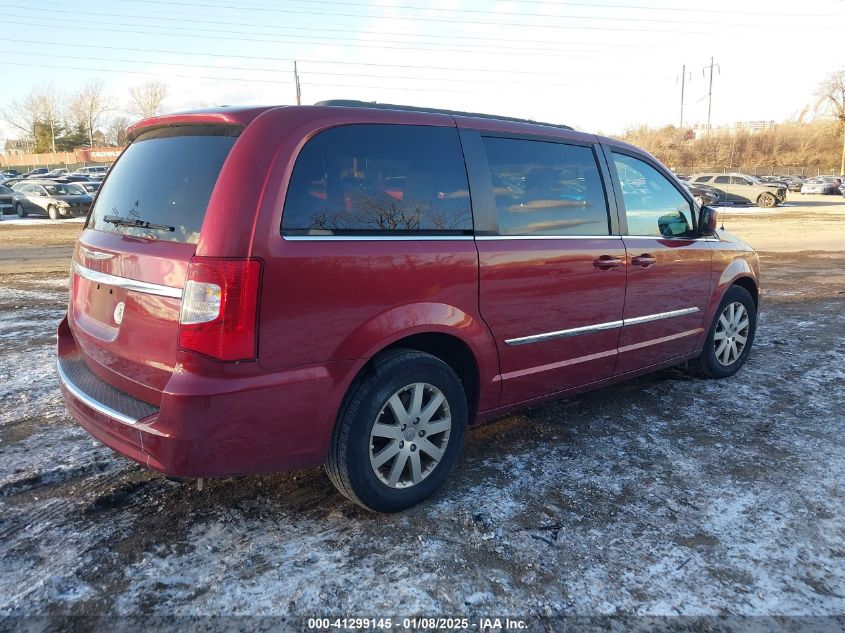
606, 262
645, 260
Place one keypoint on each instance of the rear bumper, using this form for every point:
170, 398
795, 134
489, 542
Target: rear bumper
210, 427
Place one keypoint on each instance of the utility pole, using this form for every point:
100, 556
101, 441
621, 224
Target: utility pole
296, 81
710, 92
683, 82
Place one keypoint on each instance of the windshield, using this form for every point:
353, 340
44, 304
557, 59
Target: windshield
164, 177
65, 190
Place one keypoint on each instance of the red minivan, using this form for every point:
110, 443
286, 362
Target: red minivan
266, 289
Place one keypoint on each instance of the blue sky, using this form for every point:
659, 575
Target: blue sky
600, 66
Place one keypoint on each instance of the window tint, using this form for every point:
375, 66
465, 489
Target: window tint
165, 177
5, 190
376, 179
703, 179
544, 188
653, 206
723, 180
737, 180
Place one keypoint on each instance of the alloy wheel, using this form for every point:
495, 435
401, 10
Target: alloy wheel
731, 333
410, 435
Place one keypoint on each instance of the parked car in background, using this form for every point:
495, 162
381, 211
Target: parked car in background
56, 173
742, 189
8, 182
96, 170
9, 173
266, 289
702, 194
7, 202
38, 172
56, 200
820, 184
793, 183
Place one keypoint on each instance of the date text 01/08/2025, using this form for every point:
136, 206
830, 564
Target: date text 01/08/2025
487, 624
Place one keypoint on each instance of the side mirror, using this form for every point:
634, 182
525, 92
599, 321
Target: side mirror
708, 221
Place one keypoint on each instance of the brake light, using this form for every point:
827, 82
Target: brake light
219, 309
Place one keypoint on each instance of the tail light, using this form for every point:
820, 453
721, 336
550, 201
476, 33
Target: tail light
220, 308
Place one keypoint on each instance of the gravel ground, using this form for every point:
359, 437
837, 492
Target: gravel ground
666, 495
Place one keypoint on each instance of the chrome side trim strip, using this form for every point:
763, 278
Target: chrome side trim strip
89, 401
376, 238
589, 329
660, 315
128, 284
576, 331
491, 238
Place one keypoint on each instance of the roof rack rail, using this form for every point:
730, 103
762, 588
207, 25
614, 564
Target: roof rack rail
352, 103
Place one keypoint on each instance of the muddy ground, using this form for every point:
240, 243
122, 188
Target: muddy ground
666, 495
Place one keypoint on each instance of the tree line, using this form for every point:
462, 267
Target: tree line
48, 120
818, 144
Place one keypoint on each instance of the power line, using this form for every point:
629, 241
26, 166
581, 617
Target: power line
522, 52
497, 71
439, 20
473, 80
247, 7
323, 27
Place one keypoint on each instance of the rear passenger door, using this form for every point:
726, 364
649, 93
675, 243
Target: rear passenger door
552, 271
668, 283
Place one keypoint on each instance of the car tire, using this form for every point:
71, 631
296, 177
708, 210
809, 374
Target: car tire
53, 212
766, 200
735, 319
22, 213
397, 465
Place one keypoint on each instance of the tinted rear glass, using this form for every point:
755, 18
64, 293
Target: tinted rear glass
164, 177
379, 179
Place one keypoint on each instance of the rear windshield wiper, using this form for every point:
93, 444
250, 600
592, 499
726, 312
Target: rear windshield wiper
141, 224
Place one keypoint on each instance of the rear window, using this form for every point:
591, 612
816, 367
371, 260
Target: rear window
379, 180
165, 177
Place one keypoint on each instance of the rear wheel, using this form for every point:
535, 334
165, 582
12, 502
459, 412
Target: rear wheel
20, 210
767, 200
399, 432
53, 212
730, 337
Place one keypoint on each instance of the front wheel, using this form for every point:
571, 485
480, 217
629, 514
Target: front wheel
730, 337
767, 200
399, 433
20, 210
53, 212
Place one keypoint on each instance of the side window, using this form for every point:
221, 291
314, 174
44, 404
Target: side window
544, 188
653, 206
722, 180
737, 180
379, 179
703, 179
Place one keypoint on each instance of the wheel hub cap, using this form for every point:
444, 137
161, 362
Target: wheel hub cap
731, 335
409, 435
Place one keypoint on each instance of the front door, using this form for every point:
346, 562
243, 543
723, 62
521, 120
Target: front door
668, 267
552, 277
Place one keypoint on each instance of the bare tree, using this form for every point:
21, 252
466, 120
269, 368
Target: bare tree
50, 111
89, 106
116, 131
830, 97
145, 99
23, 115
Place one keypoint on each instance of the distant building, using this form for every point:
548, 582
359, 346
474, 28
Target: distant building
752, 127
